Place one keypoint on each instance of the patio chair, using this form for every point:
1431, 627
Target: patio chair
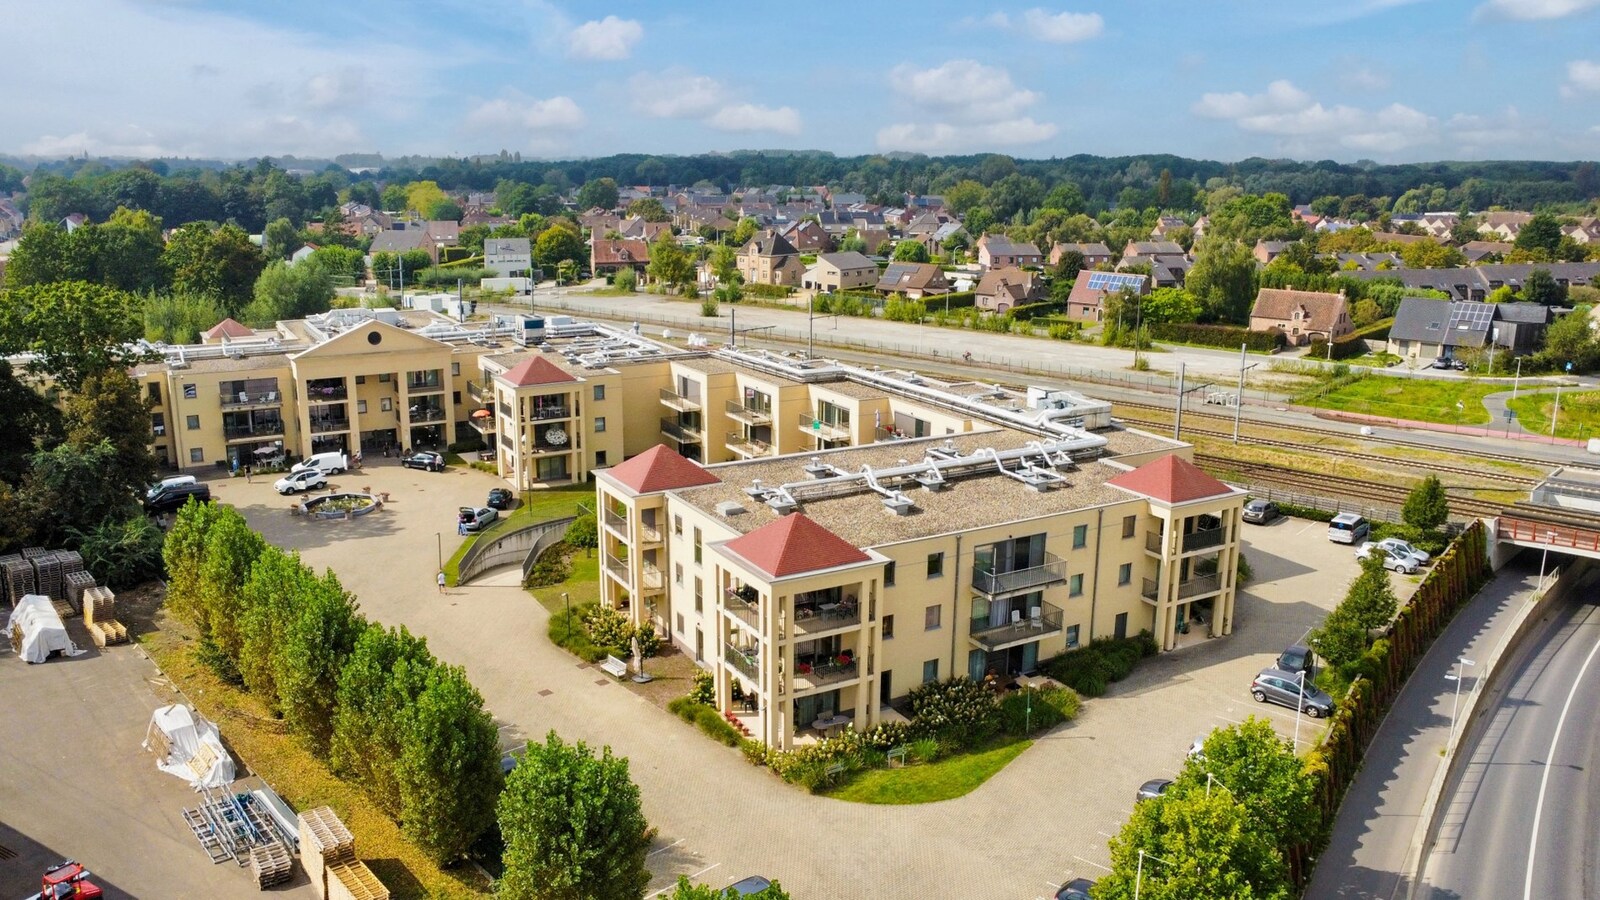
1016, 618
244, 397
1036, 618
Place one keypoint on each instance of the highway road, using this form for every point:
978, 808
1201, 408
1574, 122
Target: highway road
1523, 818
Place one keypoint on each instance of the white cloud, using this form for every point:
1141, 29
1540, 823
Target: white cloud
608, 38
1362, 78
961, 105
339, 89
518, 111
1063, 27
1307, 126
754, 117
676, 94
1533, 9
1583, 76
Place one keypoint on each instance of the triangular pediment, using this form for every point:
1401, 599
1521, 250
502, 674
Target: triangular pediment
358, 341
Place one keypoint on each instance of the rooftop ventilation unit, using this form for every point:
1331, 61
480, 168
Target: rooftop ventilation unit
899, 504
730, 508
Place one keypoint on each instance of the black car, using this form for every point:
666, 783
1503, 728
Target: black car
426, 460
1076, 889
1298, 658
501, 498
172, 497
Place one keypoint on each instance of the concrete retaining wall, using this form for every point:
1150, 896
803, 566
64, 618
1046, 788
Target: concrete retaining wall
520, 545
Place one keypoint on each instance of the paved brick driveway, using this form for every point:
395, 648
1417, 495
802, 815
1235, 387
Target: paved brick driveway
1041, 820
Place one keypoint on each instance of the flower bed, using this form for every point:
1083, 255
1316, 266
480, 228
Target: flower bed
339, 506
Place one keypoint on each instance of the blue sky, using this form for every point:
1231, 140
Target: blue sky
1390, 80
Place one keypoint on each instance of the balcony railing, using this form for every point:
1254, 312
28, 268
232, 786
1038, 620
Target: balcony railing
744, 660
748, 611
1203, 584
824, 674
427, 414
323, 426
428, 385
479, 393
747, 446
1205, 538
993, 584
545, 413
237, 399
815, 619
1027, 626
741, 413
1152, 542
484, 425
616, 522
649, 533
683, 434
679, 402
618, 568
650, 578
881, 434
826, 430
326, 393
258, 430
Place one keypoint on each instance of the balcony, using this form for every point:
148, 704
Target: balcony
744, 660
741, 413
326, 392
615, 522
258, 431
881, 434
1205, 538
426, 414
550, 411
325, 426
999, 584
823, 674
747, 447
746, 611
480, 393
826, 617
683, 434
431, 382
1153, 542
650, 579
484, 425
649, 533
828, 431
1194, 587
1023, 627
618, 569
679, 402
248, 400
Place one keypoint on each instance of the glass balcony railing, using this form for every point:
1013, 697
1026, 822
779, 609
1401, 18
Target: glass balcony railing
748, 415
1021, 626
683, 434
828, 431
1052, 571
678, 401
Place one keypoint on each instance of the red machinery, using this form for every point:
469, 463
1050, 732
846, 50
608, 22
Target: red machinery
66, 880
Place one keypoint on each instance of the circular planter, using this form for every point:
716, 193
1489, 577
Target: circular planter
339, 506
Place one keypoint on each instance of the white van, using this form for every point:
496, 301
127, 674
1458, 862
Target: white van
165, 483
331, 463
1348, 528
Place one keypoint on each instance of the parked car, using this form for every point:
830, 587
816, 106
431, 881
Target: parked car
1395, 545
424, 459
303, 480
1076, 889
1260, 512
330, 463
1348, 528
165, 483
1298, 658
1152, 789
1393, 560
1445, 362
1197, 749
501, 498
476, 519
755, 884
170, 499
1285, 689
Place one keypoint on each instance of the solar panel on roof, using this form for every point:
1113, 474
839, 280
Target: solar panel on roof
1112, 281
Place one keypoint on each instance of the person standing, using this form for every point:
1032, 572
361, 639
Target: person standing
441, 581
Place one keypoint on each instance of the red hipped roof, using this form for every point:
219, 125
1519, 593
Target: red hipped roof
536, 370
660, 469
1170, 479
230, 329
794, 544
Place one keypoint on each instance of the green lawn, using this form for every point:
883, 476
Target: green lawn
1419, 399
948, 778
535, 506
1580, 413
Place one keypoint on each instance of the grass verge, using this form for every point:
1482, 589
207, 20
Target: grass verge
535, 506
1417, 399
303, 779
1580, 413
946, 779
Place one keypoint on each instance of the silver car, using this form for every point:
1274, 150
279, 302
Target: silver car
1287, 689
1393, 560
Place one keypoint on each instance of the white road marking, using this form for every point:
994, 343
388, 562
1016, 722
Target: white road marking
1544, 780
674, 884
666, 848
1091, 863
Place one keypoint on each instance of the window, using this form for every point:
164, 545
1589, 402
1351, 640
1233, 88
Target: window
1129, 523
599, 458
361, 407
599, 392
930, 671
935, 565
1075, 585
158, 423
888, 627
888, 575
680, 623
361, 379
1072, 636
455, 397
677, 525
455, 369
190, 392
699, 595
599, 424
197, 455
677, 578
192, 422
1124, 574
1080, 536
383, 378
155, 391
932, 616
697, 545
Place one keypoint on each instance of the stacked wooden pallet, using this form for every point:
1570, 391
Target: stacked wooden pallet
47, 573
328, 851
100, 616
270, 865
75, 583
16, 577
71, 561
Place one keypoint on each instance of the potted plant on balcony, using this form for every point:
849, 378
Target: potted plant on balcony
747, 593
843, 659
803, 668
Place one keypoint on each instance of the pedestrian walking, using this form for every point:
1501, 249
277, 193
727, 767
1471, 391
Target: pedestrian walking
441, 581
247, 474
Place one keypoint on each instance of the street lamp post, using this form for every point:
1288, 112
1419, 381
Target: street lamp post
1238, 400
1517, 380
1556, 417
1212, 779
1299, 708
1455, 704
1138, 878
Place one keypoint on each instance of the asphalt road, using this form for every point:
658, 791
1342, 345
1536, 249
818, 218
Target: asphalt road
1524, 819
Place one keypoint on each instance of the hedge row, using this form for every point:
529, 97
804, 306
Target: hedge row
1227, 336
767, 291
1090, 669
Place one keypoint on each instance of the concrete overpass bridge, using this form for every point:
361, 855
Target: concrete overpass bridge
1561, 515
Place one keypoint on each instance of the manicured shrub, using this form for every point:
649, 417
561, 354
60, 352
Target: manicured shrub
703, 690
958, 710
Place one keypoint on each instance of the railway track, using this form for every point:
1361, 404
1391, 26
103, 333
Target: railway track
1375, 492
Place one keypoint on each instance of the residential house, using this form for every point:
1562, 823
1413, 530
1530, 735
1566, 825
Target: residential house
402, 240
599, 221
1395, 237
875, 239
1503, 226
806, 235
914, 281
508, 257
769, 259
1378, 260
1301, 315
1094, 255
996, 251
443, 233
1485, 251
638, 229
1585, 231
1439, 224
1151, 248
11, 220
841, 272
1267, 251
607, 256
485, 218
1086, 303
302, 254
1002, 289
1165, 225
1426, 329
225, 331
73, 221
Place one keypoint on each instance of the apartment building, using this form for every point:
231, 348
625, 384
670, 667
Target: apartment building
822, 586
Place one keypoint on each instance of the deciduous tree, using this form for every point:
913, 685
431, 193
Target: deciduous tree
670, 263
232, 548
317, 641
75, 329
910, 251
1195, 845
385, 673
600, 193
1370, 600
184, 553
449, 766
1427, 507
